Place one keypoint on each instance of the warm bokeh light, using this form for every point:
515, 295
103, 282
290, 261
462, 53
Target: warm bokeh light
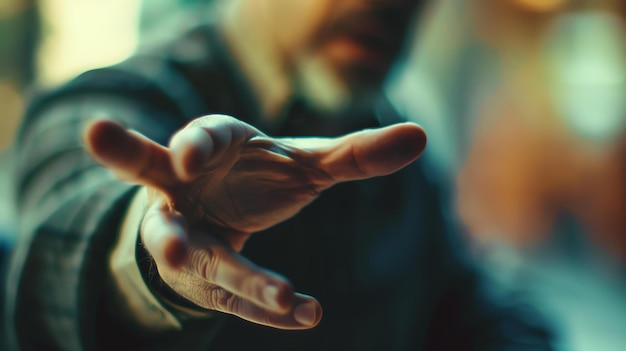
541, 5
523, 103
10, 8
79, 35
12, 106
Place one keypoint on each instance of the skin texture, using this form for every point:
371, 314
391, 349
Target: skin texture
242, 181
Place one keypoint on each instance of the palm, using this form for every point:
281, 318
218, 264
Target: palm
263, 184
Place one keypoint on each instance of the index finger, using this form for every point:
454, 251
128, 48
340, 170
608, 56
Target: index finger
129, 155
217, 264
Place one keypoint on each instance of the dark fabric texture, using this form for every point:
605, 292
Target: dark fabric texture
377, 253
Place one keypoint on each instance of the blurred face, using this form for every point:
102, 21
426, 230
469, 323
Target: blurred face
354, 41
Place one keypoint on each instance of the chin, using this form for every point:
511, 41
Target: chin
330, 86
363, 79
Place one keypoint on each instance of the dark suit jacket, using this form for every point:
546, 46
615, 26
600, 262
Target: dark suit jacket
376, 253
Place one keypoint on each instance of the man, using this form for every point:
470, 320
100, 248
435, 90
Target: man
169, 264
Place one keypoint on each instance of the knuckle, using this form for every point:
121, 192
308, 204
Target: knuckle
208, 119
253, 284
219, 299
357, 165
265, 319
205, 262
313, 190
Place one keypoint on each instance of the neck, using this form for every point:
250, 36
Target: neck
319, 87
262, 66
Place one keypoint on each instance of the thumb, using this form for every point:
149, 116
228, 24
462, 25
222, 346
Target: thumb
164, 234
374, 152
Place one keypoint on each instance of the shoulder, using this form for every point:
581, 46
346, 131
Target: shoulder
162, 76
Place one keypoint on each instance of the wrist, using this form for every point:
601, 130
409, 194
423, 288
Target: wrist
131, 299
179, 306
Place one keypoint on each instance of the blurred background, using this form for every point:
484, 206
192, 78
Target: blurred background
524, 102
525, 106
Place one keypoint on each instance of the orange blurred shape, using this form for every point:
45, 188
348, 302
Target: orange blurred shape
521, 175
12, 108
541, 5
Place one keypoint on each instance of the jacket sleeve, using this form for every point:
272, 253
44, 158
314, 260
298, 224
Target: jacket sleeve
70, 210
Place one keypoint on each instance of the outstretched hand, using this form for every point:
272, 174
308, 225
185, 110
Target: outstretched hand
219, 181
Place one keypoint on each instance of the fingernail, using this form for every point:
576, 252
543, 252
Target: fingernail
270, 294
305, 313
